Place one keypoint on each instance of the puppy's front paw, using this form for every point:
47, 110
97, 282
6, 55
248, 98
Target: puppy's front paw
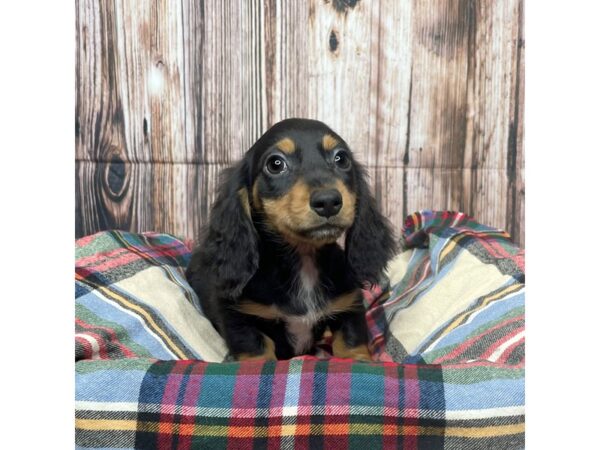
267, 354
342, 350
361, 354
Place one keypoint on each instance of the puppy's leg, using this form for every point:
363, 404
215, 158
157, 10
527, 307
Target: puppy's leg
244, 340
350, 336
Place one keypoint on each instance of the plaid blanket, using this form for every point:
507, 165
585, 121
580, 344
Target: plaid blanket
446, 332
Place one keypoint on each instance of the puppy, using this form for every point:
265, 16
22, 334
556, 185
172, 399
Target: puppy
269, 273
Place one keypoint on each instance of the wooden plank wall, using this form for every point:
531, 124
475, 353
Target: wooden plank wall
428, 93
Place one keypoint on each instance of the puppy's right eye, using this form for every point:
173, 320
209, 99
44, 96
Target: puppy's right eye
276, 165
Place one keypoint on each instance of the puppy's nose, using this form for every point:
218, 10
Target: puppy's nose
326, 203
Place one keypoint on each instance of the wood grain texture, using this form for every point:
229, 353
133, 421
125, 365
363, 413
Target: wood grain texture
429, 94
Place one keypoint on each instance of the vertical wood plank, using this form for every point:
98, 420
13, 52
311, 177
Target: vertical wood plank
439, 84
516, 162
491, 80
86, 213
386, 183
100, 133
221, 90
192, 23
438, 103
390, 84
151, 79
492, 99
252, 120
286, 50
232, 79
339, 68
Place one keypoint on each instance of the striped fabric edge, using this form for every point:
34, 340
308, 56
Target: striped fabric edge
434, 241
140, 312
104, 261
420, 226
109, 256
304, 402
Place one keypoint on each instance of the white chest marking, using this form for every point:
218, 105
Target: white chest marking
300, 331
308, 276
309, 298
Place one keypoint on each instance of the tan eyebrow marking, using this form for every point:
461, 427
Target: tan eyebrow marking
286, 145
329, 142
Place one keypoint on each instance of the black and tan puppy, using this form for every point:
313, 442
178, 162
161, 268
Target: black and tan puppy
268, 272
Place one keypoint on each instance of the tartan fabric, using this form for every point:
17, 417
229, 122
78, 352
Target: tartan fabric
132, 300
447, 334
466, 276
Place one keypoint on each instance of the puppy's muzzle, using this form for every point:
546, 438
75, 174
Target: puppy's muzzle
326, 203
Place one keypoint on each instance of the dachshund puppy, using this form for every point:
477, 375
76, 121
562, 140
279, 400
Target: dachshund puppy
269, 273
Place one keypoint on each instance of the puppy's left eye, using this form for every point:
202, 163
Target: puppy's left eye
276, 165
342, 160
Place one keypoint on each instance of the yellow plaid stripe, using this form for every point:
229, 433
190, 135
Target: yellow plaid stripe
149, 320
297, 430
486, 301
452, 243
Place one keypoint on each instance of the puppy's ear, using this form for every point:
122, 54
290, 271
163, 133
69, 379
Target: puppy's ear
370, 241
229, 247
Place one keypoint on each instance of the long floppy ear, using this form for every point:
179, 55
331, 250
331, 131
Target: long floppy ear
369, 242
229, 248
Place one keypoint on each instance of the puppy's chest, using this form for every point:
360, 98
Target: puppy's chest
298, 292
308, 303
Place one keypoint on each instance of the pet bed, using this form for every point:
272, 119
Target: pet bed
446, 333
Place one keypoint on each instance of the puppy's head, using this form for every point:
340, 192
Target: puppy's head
304, 182
301, 182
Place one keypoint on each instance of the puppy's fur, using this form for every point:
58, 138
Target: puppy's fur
269, 273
